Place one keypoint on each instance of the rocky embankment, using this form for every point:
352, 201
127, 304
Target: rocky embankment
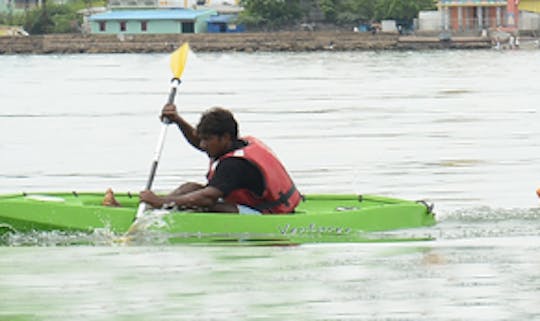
246, 42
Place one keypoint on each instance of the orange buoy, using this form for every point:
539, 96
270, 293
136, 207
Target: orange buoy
538, 192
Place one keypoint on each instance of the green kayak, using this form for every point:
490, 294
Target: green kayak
319, 218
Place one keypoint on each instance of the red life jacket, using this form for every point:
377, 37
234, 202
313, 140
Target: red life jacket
279, 196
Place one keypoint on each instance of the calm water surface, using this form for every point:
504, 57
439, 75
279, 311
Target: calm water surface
456, 128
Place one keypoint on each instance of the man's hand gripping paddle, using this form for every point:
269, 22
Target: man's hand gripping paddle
178, 62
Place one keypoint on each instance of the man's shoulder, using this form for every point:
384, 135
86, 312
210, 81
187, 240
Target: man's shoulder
238, 166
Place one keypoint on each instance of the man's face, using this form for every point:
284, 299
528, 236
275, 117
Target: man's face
215, 145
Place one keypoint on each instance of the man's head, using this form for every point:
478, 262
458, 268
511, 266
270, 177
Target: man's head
217, 129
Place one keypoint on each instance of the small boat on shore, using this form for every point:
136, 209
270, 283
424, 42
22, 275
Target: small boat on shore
318, 219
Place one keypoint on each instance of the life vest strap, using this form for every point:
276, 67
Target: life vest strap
283, 199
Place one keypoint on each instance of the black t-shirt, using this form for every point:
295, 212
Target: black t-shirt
234, 173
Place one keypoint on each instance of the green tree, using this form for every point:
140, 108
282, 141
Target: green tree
345, 12
51, 18
37, 22
270, 14
65, 19
401, 10
329, 9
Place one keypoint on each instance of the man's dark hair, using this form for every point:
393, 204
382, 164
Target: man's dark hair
218, 121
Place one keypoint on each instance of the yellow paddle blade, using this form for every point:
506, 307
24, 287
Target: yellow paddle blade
178, 60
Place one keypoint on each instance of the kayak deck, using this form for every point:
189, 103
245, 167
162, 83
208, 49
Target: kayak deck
320, 218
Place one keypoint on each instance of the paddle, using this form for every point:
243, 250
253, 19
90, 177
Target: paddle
178, 61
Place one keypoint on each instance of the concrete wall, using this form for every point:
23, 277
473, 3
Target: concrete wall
212, 42
529, 21
389, 26
429, 21
209, 42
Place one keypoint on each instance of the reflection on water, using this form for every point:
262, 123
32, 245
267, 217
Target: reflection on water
425, 281
456, 128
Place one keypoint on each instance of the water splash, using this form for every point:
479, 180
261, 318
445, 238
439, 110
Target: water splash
100, 237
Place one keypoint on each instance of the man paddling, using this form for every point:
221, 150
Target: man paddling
244, 176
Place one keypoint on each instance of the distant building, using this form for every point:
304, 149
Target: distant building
224, 23
429, 21
530, 5
219, 6
165, 17
86, 14
529, 15
225, 6
155, 21
475, 15
466, 15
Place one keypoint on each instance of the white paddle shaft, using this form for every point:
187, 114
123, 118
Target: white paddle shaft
157, 154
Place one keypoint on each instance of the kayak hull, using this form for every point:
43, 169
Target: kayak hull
320, 218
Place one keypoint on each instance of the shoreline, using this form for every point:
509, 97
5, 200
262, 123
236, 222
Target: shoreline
299, 41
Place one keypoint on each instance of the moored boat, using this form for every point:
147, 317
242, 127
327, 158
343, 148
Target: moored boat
319, 218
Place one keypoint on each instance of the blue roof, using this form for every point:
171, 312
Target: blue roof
222, 18
158, 14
